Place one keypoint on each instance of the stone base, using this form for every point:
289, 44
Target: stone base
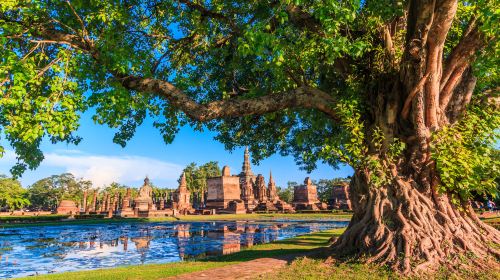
313, 206
185, 211
250, 205
161, 213
237, 207
218, 204
284, 207
129, 213
126, 213
266, 206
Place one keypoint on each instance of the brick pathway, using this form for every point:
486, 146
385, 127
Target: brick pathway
244, 270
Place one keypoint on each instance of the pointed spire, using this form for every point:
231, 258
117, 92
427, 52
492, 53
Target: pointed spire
271, 188
271, 180
183, 183
247, 169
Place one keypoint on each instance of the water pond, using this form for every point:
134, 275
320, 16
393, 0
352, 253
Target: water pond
26, 251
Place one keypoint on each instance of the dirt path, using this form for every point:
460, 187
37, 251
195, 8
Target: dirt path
245, 270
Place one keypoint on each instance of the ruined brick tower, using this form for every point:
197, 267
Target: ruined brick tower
247, 181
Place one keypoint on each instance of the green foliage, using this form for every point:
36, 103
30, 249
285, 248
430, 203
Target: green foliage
286, 193
196, 176
12, 194
466, 155
117, 188
325, 187
216, 50
45, 194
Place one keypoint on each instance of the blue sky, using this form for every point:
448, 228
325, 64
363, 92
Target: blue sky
98, 159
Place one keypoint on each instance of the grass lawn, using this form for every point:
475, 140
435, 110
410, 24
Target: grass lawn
31, 219
299, 244
53, 220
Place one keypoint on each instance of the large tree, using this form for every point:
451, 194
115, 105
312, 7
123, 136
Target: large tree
403, 91
12, 195
48, 192
196, 178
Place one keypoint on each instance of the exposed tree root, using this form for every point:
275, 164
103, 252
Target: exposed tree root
414, 231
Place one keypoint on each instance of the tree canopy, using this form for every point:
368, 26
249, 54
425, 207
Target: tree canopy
405, 92
287, 76
46, 193
12, 194
196, 177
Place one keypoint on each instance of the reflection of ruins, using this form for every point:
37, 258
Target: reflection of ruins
230, 241
142, 245
249, 236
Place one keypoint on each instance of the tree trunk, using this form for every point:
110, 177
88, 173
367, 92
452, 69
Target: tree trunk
410, 229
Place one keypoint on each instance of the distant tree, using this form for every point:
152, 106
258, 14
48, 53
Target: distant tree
196, 177
12, 194
117, 187
325, 187
286, 193
48, 192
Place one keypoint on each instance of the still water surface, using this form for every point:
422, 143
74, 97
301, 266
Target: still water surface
29, 251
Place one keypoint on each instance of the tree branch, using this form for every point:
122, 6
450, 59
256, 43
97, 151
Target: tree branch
301, 97
459, 59
462, 95
209, 13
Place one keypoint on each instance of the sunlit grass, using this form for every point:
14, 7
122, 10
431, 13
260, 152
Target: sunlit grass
40, 221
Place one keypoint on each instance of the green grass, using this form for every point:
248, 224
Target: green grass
55, 220
273, 216
316, 269
299, 244
31, 219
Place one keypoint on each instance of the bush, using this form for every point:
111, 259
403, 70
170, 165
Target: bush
90, 216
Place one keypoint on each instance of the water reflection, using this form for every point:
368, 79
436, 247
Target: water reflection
38, 250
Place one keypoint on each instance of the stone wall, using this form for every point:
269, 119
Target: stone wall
222, 190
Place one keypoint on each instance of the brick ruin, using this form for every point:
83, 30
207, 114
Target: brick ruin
145, 204
237, 194
243, 193
305, 197
181, 198
340, 197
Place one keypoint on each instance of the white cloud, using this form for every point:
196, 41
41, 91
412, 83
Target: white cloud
103, 170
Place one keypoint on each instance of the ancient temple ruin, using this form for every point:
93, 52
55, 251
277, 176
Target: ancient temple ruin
340, 197
305, 197
236, 194
222, 190
181, 198
243, 193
